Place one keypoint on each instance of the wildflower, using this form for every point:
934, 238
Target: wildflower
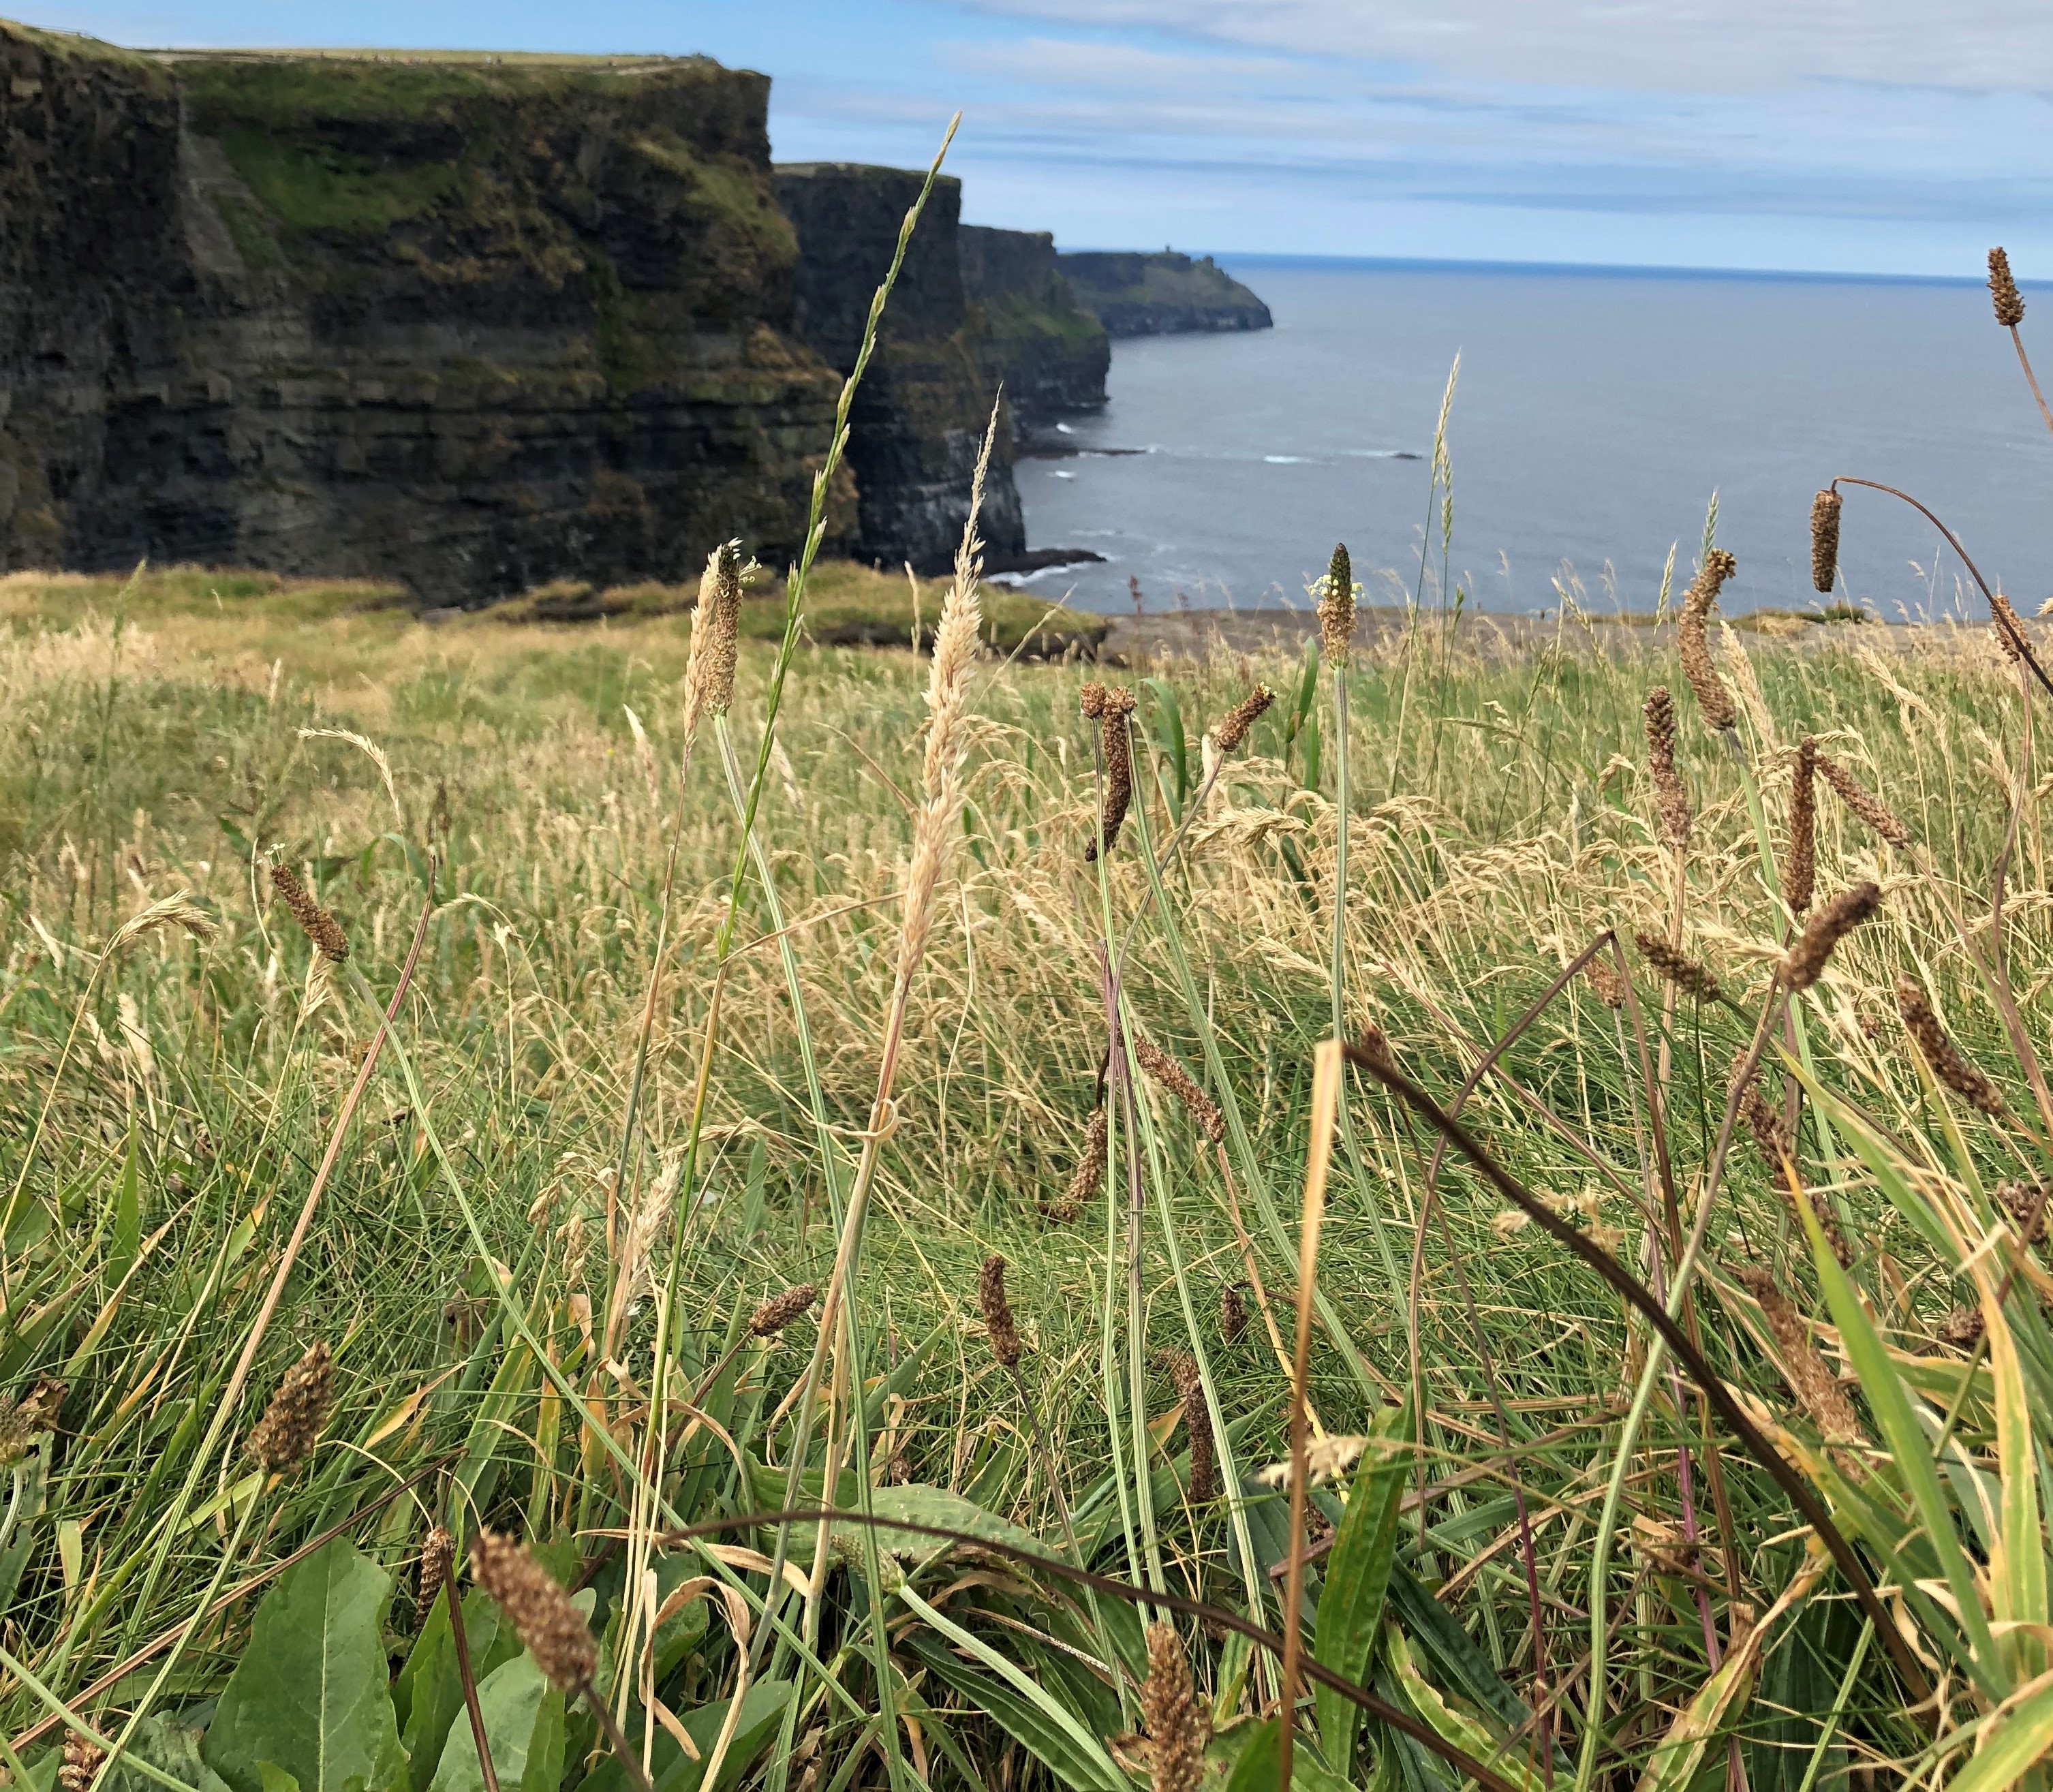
2003, 290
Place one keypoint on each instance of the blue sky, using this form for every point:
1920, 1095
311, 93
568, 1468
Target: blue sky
1848, 135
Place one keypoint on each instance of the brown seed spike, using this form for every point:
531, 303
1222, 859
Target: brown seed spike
81, 1761
1605, 980
280, 1441
1167, 1073
1799, 873
1817, 1391
1805, 962
1232, 727
1204, 1453
997, 1324
1373, 1043
1658, 714
1089, 1174
1868, 807
2003, 290
1336, 609
778, 1310
1949, 1063
538, 1608
1712, 698
1178, 1728
1232, 1314
315, 922
1687, 975
2007, 627
1116, 705
437, 1553
1825, 510
1090, 699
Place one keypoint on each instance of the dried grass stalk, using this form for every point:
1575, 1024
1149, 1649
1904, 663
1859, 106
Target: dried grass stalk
1687, 975
2003, 290
1712, 698
177, 910
538, 1609
1178, 1727
997, 1310
1169, 1074
1658, 715
1948, 1062
281, 1441
316, 923
1799, 871
1862, 803
1805, 962
1825, 510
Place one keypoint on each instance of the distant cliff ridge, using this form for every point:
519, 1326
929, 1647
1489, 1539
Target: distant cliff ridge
1138, 295
466, 324
921, 410
1053, 353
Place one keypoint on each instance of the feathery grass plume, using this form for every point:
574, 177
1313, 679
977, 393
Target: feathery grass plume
2003, 290
22, 1420
1948, 1062
1825, 510
177, 910
1234, 725
1178, 1728
1232, 1314
715, 651
437, 1553
778, 1310
1805, 962
319, 925
2009, 631
1817, 1390
1799, 870
1335, 608
1687, 975
1171, 1076
997, 1324
1712, 698
280, 1441
538, 1609
2026, 1204
1658, 715
1605, 980
1089, 1171
1114, 704
1857, 798
81, 1761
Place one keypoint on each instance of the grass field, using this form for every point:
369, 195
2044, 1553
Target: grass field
507, 1313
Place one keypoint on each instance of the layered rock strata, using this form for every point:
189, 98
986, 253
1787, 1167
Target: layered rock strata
1154, 295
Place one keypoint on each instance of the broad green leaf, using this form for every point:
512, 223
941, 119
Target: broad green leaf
761, 1707
950, 1512
309, 1694
523, 1729
428, 1695
1450, 1725
1452, 1654
276, 1778
169, 1747
1258, 1767
1357, 1573
1889, 1402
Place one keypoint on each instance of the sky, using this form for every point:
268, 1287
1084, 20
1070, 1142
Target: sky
1878, 136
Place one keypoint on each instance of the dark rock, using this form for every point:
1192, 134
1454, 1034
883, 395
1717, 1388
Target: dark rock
1137, 294
473, 326
925, 400
1053, 353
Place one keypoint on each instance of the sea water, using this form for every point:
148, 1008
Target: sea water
1596, 413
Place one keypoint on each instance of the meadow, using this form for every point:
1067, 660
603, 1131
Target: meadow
580, 1209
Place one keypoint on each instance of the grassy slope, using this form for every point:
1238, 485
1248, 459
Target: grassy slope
157, 750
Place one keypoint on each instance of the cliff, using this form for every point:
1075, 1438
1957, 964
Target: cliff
472, 324
925, 399
1135, 295
1052, 354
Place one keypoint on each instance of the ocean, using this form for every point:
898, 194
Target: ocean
1596, 413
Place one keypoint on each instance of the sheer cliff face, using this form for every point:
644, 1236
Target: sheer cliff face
926, 398
470, 326
1053, 353
1140, 295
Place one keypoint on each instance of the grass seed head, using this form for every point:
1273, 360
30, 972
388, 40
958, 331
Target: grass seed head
538, 1608
81, 1761
2003, 290
1089, 1176
2008, 630
1606, 980
2026, 1204
1825, 510
1115, 705
778, 1310
1687, 975
1374, 1045
1167, 1074
1232, 1314
1951, 1065
1178, 1728
280, 1441
1799, 870
1204, 1450
1864, 803
1712, 698
997, 1324
1657, 713
437, 1553
22, 1420
316, 923
1336, 609
1805, 962
1817, 1390
1232, 727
